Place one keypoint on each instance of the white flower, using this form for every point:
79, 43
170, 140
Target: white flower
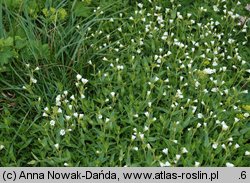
107, 120
45, 114
245, 91
230, 41
72, 97
179, 94
33, 80
197, 164
1, 147
65, 93
97, 152
141, 135
177, 156
66, 164
136, 115
81, 116
166, 80
67, 118
59, 110
194, 109
58, 103
146, 114
140, 5
217, 122
215, 145
165, 151
99, 116
236, 146
166, 164
62, 132
46, 109
184, 150
58, 98
78, 77
175, 141
75, 114
84, 81
145, 128
230, 139
209, 71
214, 90
156, 79
200, 115
135, 148
37, 69
224, 126
215, 8
133, 137
52, 123
56, 146
247, 153
120, 67
229, 164
246, 114
112, 94
197, 84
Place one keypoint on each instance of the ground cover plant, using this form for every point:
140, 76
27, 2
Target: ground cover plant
124, 83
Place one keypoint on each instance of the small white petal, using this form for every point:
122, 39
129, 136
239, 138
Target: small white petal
166, 164
184, 150
52, 123
62, 132
229, 164
247, 153
215, 145
56, 146
78, 77
197, 164
1, 147
165, 151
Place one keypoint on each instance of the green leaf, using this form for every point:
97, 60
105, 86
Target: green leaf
206, 140
6, 42
6, 55
82, 11
32, 162
20, 42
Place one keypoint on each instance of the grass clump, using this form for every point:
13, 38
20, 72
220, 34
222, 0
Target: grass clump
98, 83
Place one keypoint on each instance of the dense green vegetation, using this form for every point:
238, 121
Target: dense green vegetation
124, 83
